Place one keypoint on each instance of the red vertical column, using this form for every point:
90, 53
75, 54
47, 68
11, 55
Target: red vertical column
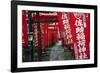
87, 34
80, 27
25, 29
60, 26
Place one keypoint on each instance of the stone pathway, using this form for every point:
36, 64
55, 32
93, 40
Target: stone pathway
57, 52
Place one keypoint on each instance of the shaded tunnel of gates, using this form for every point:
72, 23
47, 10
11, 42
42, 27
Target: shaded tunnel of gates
43, 38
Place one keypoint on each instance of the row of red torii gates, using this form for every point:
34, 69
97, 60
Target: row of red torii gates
42, 29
